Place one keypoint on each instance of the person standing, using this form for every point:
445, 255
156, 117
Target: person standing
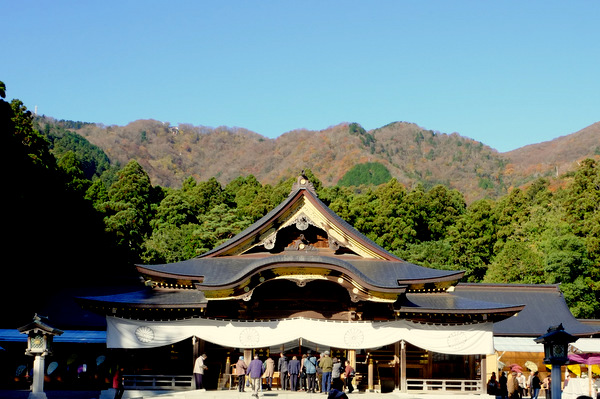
255, 371
336, 375
282, 367
326, 364
303, 373
269, 371
349, 376
522, 381
535, 386
513, 386
294, 372
503, 383
199, 368
311, 371
240, 371
492, 385
118, 383
547, 385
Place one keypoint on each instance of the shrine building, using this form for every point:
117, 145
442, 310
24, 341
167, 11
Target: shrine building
302, 278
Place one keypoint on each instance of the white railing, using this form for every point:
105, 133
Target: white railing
172, 382
467, 386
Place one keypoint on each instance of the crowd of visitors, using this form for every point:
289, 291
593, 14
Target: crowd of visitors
309, 373
518, 386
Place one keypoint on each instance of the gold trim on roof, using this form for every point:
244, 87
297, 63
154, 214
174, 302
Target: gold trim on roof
302, 213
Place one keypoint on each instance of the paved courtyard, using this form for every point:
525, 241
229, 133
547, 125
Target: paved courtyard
4, 394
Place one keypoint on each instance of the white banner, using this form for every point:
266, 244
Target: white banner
471, 339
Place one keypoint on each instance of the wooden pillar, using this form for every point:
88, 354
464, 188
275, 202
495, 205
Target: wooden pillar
370, 385
483, 375
397, 366
403, 387
195, 349
195, 354
37, 387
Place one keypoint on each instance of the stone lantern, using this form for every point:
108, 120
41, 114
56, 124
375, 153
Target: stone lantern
39, 344
556, 350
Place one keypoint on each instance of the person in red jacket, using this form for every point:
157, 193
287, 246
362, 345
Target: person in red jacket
349, 371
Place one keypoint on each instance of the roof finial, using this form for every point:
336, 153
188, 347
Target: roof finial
302, 182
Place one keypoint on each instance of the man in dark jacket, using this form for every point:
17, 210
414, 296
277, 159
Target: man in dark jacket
282, 367
294, 372
255, 371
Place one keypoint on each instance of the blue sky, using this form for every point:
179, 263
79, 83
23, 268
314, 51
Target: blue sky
506, 73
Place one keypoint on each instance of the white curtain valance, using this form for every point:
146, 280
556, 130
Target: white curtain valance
468, 339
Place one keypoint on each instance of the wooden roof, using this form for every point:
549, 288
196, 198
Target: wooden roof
545, 306
303, 241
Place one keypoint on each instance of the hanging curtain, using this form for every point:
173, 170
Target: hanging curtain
460, 339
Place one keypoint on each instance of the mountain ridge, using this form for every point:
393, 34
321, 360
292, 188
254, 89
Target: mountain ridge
412, 154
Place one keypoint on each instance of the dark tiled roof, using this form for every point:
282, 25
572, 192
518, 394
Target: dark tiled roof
545, 306
377, 273
448, 302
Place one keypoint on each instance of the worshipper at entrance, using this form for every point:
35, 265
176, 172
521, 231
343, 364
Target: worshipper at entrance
255, 371
349, 371
336, 375
326, 364
240, 371
311, 371
199, 368
294, 372
303, 373
269, 372
282, 367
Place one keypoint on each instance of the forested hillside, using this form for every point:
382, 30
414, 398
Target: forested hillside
71, 214
410, 154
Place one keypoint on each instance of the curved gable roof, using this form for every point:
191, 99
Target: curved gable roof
334, 224
544, 306
222, 271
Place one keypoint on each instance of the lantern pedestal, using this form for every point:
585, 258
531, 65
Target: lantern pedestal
37, 388
39, 344
556, 376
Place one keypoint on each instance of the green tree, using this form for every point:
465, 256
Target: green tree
472, 240
444, 207
369, 173
129, 208
389, 227
71, 166
172, 243
174, 210
217, 226
517, 262
207, 194
511, 212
